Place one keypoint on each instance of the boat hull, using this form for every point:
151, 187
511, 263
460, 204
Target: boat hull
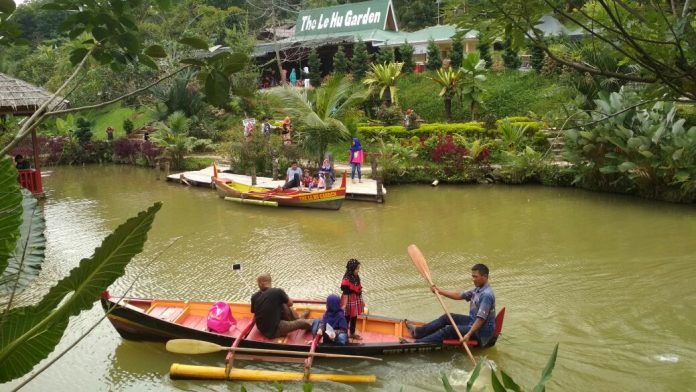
330, 199
139, 319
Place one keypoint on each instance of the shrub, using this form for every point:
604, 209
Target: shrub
128, 126
125, 150
389, 115
406, 51
425, 130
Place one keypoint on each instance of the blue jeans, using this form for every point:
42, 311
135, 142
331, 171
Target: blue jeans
341, 336
353, 168
441, 329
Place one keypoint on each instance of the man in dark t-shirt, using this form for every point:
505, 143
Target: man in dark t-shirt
273, 310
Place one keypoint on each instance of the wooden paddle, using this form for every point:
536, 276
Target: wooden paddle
191, 346
422, 267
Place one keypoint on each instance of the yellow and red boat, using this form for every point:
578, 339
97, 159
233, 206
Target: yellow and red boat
329, 199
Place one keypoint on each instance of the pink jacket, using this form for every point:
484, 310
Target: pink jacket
357, 157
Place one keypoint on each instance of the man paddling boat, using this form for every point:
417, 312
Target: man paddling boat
478, 324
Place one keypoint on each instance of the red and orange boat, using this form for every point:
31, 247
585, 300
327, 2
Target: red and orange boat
329, 199
162, 320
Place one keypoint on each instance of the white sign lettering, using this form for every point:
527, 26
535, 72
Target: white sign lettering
335, 20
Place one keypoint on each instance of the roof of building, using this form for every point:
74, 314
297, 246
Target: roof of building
439, 33
552, 27
21, 98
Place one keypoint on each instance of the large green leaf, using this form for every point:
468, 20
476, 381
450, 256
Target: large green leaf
10, 211
546, 373
25, 264
217, 88
474, 374
28, 334
194, 42
7, 6
509, 383
445, 383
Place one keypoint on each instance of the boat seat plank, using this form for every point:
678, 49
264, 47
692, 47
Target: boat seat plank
166, 313
299, 338
195, 322
238, 328
257, 336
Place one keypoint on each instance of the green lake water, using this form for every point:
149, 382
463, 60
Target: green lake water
610, 278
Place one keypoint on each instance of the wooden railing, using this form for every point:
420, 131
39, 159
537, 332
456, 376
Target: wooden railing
31, 180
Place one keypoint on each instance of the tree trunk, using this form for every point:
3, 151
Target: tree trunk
473, 111
283, 79
448, 108
253, 175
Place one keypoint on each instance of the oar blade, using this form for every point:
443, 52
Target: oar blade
419, 261
191, 346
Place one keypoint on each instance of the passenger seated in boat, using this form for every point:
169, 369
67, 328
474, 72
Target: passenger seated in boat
333, 325
321, 182
328, 171
479, 324
307, 179
314, 185
293, 176
273, 310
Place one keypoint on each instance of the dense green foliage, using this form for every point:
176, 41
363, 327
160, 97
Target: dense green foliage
385, 55
434, 58
510, 58
398, 131
457, 54
340, 61
359, 64
538, 56
645, 151
314, 68
415, 14
406, 52
484, 49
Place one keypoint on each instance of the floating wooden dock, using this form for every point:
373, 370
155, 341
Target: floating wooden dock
365, 190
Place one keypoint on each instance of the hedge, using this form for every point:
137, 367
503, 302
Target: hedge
532, 126
513, 119
424, 130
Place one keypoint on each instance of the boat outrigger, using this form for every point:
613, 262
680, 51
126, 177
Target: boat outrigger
329, 199
163, 320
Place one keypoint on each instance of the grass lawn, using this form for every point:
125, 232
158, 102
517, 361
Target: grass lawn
113, 116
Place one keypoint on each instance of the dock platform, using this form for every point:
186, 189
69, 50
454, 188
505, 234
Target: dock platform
365, 190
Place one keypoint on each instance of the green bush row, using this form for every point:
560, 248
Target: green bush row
532, 126
425, 130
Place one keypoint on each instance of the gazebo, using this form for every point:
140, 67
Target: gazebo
20, 98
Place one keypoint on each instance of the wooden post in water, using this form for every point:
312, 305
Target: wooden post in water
253, 175
166, 169
378, 180
275, 169
157, 169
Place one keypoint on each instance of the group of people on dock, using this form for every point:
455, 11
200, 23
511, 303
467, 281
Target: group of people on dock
266, 129
295, 177
275, 317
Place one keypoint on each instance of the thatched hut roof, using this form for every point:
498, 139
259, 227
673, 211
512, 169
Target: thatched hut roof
21, 98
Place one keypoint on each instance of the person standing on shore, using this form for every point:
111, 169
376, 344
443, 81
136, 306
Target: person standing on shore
356, 159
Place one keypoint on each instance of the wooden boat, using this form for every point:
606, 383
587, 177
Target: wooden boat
162, 320
330, 199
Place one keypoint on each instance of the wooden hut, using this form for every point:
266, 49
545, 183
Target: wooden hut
20, 98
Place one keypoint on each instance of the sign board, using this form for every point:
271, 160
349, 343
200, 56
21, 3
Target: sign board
345, 18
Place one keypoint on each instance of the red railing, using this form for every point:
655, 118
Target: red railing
31, 180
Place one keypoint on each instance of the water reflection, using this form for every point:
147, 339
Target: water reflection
609, 277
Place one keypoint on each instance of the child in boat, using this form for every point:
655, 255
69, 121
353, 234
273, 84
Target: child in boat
351, 300
315, 183
306, 179
333, 324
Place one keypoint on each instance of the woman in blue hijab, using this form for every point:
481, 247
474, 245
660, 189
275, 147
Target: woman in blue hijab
334, 320
356, 159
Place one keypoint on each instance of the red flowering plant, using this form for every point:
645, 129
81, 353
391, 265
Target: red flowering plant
449, 154
125, 150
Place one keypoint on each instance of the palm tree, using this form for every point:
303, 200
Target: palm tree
318, 115
173, 136
451, 81
384, 76
473, 69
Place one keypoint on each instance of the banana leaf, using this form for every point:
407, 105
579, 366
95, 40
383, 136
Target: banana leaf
10, 211
29, 334
25, 263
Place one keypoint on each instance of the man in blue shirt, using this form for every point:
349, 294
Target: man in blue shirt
479, 324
